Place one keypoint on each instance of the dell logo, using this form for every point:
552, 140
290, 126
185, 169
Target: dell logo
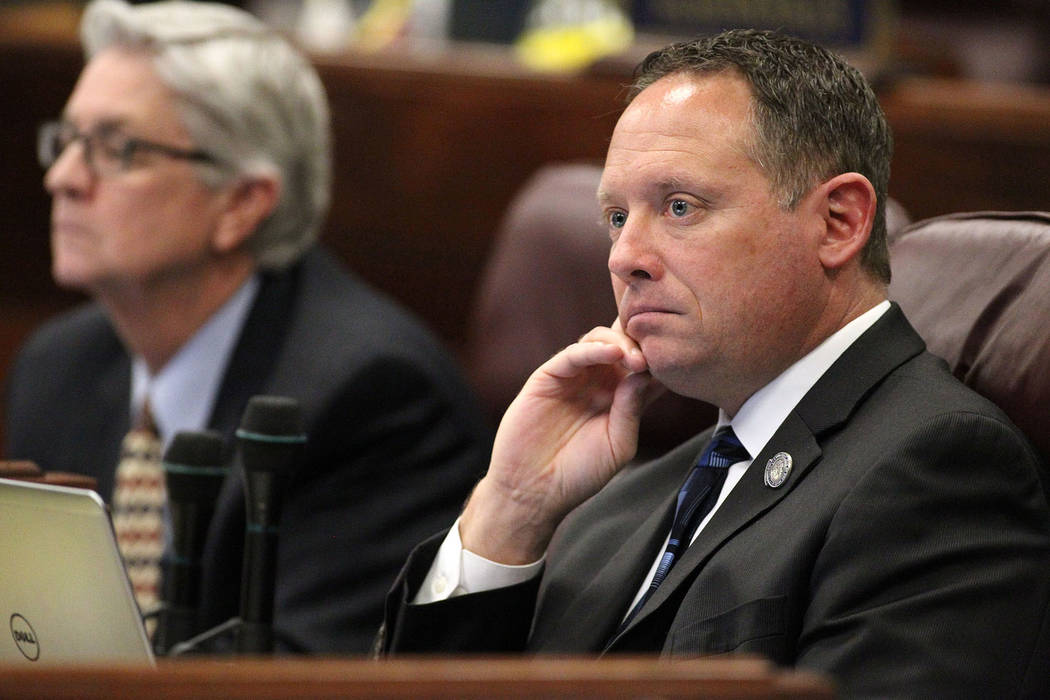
25, 637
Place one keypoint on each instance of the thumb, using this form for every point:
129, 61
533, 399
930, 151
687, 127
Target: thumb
625, 414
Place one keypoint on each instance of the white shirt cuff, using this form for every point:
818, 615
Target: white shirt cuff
456, 571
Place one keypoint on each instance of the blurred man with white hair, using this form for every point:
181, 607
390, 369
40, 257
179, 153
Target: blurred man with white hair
190, 175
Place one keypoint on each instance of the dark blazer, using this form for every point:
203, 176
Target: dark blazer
395, 441
907, 554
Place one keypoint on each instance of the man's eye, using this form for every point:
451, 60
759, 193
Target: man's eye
617, 219
679, 207
65, 136
114, 144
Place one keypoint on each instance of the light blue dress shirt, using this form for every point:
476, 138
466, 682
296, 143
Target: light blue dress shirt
182, 394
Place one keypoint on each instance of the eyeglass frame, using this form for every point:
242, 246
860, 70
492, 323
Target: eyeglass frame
49, 132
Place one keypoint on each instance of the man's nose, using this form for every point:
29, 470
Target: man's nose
633, 255
70, 172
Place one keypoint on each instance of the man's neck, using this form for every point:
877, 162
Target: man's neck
837, 314
154, 320
764, 411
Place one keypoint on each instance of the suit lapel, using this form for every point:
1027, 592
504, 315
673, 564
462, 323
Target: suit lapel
612, 587
114, 390
254, 357
248, 372
603, 585
748, 500
883, 347
99, 429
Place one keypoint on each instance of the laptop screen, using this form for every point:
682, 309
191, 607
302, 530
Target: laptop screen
64, 594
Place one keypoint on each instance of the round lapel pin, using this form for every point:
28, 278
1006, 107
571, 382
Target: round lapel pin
777, 469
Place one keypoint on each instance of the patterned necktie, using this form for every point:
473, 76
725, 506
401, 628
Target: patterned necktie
138, 509
695, 500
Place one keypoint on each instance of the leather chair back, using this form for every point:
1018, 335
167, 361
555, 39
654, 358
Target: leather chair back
976, 286
545, 282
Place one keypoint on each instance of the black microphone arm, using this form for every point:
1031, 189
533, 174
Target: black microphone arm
270, 440
194, 471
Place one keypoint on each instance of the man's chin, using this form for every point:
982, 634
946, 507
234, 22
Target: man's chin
72, 279
676, 372
670, 374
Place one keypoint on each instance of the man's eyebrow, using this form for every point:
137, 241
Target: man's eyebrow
104, 124
110, 124
662, 186
671, 184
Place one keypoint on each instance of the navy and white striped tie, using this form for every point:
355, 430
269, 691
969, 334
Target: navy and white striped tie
695, 500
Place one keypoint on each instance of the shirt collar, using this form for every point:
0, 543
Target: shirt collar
182, 394
761, 415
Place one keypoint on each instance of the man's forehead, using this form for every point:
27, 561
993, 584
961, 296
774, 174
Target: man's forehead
120, 71
684, 111
620, 187
687, 91
679, 93
120, 88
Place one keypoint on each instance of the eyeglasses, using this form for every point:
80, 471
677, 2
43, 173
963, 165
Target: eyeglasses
107, 150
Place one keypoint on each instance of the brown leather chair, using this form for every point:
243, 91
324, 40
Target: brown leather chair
545, 282
897, 218
976, 286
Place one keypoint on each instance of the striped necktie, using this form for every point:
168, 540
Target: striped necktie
695, 500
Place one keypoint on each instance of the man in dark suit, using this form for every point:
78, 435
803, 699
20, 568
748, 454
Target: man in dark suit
858, 512
190, 176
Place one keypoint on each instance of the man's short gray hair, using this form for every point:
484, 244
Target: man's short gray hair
245, 95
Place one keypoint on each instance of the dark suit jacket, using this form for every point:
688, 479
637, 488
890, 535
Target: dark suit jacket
907, 554
395, 441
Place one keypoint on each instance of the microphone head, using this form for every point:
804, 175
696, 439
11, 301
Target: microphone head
272, 415
194, 466
197, 448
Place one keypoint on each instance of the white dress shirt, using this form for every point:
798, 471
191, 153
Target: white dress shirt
456, 571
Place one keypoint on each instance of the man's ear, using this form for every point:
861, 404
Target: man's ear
848, 204
249, 202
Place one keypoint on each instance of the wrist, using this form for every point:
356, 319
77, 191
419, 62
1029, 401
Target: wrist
504, 529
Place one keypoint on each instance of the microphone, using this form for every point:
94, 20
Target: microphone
270, 439
194, 473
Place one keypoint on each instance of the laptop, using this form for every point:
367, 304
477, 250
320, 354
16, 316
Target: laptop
64, 593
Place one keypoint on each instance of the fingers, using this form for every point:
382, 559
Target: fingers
630, 400
652, 392
593, 365
625, 414
633, 360
585, 353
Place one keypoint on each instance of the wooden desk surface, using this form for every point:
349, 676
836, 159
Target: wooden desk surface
418, 678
